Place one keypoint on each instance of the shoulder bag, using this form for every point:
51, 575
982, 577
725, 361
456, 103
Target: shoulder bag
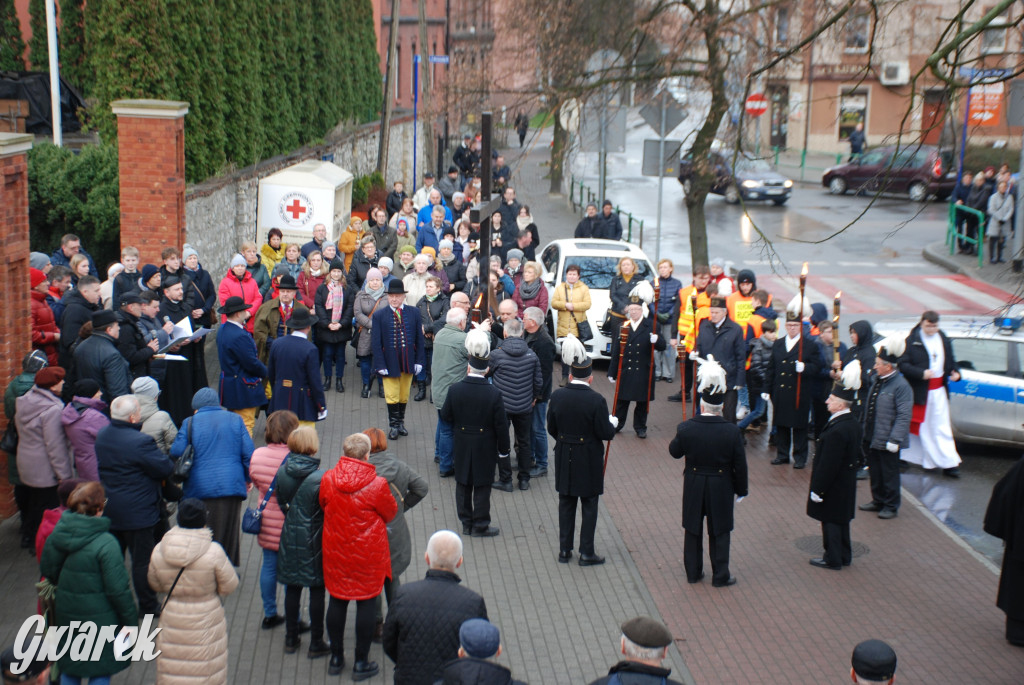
9, 441
252, 519
173, 585
183, 466
583, 330
359, 329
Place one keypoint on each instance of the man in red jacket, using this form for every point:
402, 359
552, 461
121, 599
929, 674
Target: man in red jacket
45, 333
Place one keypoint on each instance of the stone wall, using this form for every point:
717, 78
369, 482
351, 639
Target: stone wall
220, 213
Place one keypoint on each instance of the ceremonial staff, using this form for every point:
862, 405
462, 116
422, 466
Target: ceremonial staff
654, 327
623, 335
693, 331
681, 354
800, 318
835, 326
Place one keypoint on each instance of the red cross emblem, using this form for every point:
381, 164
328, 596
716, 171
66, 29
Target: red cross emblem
295, 209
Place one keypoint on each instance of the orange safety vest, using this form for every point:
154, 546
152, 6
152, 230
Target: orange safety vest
686, 328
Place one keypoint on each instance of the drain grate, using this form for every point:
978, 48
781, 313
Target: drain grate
812, 545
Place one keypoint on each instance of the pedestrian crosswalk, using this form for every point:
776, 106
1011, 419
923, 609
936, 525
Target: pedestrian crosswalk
893, 294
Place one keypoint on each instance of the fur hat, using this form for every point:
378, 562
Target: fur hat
892, 348
478, 345
711, 382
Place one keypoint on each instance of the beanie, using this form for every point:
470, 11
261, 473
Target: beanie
37, 260
191, 513
205, 397
187, 251
86, 387
237, 260
35, 277
374, 273
148, 271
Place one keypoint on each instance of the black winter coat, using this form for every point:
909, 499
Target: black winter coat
97, 358
781, 382
421, 633
77, 310
393, 202
470, 671
863, 351
132, 344
636, 385
619, 291
476, 411
455, 270
726, 344
515, 371
715, 471
636, 673
131, 468
578, 421
323, 333
834, 473
589, 227
611, 226
544, 347
361, 265
1004, 518
204, 294
433, 315
300, 554
914, 363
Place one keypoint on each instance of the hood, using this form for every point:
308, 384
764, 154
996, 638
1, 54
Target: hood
471, 671
767, 312
515, 347
818, 313
865, 336
246, 277
37, 401
76, 409
75, 531
148, 406
301, 465
746, 275
350, 475
182, 546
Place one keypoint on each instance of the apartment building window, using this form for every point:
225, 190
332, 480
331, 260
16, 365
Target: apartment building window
993, 39
858, 31
782, 27
853, 109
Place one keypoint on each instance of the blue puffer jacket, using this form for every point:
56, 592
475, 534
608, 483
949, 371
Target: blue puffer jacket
515, 370
222, 448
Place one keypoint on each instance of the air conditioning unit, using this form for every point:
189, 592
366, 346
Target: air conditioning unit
895, 73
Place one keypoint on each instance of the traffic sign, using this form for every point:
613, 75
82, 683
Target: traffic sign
756, 105
438, 59
668, 166
986, 104
674, 112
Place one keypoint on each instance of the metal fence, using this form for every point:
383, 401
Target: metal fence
954, 237
580, 195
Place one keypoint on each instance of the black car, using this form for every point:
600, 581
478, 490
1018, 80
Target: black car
750, 180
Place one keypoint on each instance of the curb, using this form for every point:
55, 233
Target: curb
934, 253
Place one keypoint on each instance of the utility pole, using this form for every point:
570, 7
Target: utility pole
389, 95
426, 85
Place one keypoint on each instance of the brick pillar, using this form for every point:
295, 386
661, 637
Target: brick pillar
16, 317
151, 164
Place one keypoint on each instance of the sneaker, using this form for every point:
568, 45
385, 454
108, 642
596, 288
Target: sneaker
538, 471
502, 485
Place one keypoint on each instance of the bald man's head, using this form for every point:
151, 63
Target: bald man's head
444, 551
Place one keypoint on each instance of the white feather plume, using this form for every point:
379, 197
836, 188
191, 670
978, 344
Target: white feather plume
895, 345
851, 376
573, 351
478, 343
644, 290
794, 306
710, 376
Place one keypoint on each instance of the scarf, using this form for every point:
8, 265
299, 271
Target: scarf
375, 294
431, 298
336, 301
523, 222
528, 291
314, 273
447, 260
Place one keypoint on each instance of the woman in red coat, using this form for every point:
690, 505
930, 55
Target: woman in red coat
239, 282
45, 333
357, 505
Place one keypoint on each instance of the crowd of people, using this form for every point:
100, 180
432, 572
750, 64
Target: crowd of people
992, 193
120, 432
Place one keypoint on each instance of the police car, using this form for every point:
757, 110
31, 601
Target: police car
987, 404
597, 260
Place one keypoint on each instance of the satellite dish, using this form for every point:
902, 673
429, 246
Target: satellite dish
569, 115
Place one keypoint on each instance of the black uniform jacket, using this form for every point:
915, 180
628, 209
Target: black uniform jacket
834, 474
781, 382
635, 385
716, 471
479, 429
578, 421
915, 362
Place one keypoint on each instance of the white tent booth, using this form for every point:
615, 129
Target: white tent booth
301, 196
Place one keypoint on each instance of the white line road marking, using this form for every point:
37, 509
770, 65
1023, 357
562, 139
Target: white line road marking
927, 299
984, 300
863, 293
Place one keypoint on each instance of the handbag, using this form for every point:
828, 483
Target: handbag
183, 466
9, 441
583, 331
252, 519
606, 325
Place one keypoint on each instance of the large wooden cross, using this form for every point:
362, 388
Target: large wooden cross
481, 216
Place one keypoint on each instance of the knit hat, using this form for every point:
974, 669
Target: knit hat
479, 638
386, 263
446, 243
37, 260
237, 260
148, 271
35, 277
429, 251
146, 386
187, 251
514, 253
49, 377
86, 387
281, 269
339, 263
205, 397
191, 513
719, 262
407, 248
474, 237
374, 273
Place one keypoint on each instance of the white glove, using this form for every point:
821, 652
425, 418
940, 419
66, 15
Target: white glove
815, 498
382, 372
766, 397
740, 498
611, 380
502, 456
416, 368
322, 415
892, 447
654, 338
694, 356
614, 420
799, 367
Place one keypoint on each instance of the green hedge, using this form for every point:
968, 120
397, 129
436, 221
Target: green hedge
12, 47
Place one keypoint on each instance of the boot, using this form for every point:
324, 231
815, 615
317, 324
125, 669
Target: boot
401, 419
1002, 243
339, 387
327, 383
421, 391
380, 387
992, 248
393, 422
366, 391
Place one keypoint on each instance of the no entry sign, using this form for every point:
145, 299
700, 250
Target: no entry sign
756, 104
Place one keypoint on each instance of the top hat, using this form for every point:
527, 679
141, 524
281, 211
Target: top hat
287, 282
301, 318
234, 304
